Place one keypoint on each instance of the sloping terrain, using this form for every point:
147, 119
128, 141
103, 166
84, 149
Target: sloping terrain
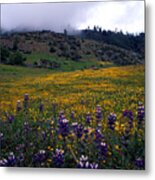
56, 51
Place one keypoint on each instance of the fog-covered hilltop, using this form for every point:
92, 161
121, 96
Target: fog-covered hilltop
75, 46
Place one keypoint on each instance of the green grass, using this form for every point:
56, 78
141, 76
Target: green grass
68, 64
10, 73
31, 58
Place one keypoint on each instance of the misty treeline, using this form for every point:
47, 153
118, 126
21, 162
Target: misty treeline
102, 45
127, 41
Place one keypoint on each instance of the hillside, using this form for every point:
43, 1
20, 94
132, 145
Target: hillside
64, 52
91, 111
132, 42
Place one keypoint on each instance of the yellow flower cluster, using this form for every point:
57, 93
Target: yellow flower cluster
109, 87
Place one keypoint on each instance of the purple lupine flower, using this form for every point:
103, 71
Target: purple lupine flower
86, 130
61, 115
124, 139
98, 113
11, 118
74, 125
103, 149
129, 115
64, 127
3, 162
18, 106
40, 156
25, 102
41, 107
98, 136
88, 118
111, 121
141, 113
58, 158
11, 159
26, 97
79, 130
21, 157
93, 165
72, 115
83, 163
139, 162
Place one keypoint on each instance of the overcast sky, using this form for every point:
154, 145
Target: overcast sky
123, 15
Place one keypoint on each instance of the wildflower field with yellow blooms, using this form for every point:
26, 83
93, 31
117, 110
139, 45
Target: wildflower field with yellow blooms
82, 119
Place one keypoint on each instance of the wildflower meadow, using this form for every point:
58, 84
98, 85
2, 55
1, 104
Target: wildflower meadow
93, 119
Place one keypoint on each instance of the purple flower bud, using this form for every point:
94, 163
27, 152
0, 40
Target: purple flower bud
74, 125
141, 113
61, 115
98, 136
58, 158
3, 162
78, 130
11, 159
21, 157
111, 121
86, 130
72, 115
124, 139
63, 126
41, 107
40, 156
11, 118
83, 163
139, 162
26, 97
129, 115
18, 106
98, 113
94, 166
103, 149
25, 102
88, 118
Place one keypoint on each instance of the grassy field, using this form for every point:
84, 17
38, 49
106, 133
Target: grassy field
38, 128
68, 64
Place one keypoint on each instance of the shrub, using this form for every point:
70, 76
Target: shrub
15, 44
16, 59
52, 49
75, 55
4, 55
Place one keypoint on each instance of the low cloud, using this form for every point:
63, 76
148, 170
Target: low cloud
126, 16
